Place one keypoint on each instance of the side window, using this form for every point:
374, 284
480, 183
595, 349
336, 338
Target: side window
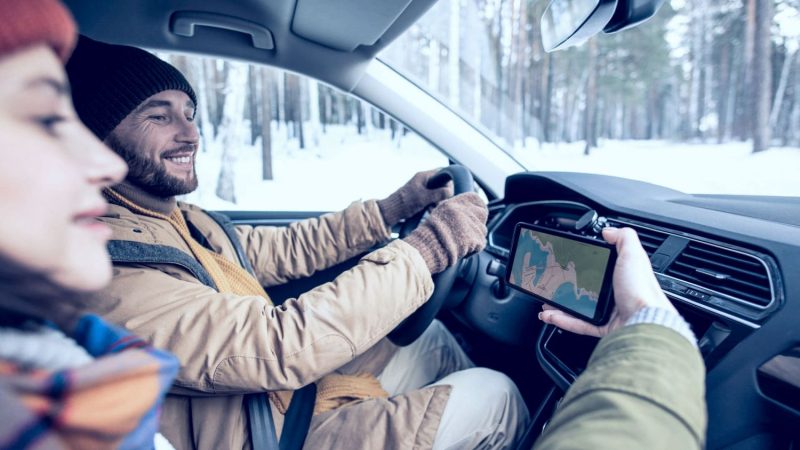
275, 141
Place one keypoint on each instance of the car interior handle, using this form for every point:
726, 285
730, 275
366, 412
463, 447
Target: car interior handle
183, 23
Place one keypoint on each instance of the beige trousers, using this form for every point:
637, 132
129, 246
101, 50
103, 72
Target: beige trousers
485, 409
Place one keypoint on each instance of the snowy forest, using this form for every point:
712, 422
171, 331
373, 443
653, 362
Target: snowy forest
700, 72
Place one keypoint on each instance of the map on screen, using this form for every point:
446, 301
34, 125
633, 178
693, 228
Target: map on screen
558, 269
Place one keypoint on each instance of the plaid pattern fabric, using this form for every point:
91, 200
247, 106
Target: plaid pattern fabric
112, 402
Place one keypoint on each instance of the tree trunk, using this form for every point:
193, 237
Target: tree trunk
794, 117
266, 125
477, 94
706, 92
516, 71
454, 54
762, 76
368, 116
745, 96
298, 113
255, 102
359, 118
723, 104
314, 120
233, 112
433, 66
547, 98
207, 130
288, 105
776, 107
590, 130
327, 110
221, 69
696, 86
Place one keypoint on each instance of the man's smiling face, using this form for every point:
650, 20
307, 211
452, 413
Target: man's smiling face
159, 142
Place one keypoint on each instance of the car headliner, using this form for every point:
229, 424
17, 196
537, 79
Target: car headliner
330, 41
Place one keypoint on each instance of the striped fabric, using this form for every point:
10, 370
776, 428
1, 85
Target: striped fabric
666, 318
111, 402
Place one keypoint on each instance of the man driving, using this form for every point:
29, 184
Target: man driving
191, 282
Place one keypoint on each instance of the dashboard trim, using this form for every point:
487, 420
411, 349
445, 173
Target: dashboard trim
500, 250
494, 248
770, 276
707, 308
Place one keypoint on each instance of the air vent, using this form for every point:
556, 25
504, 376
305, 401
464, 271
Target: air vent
651, 239
728, 272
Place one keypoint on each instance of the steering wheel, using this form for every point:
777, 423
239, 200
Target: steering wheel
414, 325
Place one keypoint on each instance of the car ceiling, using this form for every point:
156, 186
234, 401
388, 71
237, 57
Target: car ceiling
332, 41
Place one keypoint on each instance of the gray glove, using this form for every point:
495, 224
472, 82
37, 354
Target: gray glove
413, 197
454, 229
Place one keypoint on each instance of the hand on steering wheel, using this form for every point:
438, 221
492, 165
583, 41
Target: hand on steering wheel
413, 326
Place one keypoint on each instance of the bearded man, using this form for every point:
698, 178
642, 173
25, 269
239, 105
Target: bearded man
192, 283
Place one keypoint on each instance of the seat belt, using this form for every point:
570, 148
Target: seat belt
301, 408
295, 425
298, 418
262, 427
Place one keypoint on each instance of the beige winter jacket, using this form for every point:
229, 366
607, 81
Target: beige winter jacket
231, 345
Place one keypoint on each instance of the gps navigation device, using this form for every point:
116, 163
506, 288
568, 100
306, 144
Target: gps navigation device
570, 272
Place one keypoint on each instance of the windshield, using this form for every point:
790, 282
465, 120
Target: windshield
674, 101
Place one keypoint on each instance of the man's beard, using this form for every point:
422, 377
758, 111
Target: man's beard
151, 176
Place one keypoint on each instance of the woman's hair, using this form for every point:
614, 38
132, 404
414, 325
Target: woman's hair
27, 294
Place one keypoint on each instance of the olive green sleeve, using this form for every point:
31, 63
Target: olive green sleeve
644, 388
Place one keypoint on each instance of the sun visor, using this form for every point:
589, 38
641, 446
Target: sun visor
346, 24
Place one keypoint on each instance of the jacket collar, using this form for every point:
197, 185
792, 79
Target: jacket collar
146, 200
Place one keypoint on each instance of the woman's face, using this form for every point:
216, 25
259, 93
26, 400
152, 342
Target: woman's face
52, 170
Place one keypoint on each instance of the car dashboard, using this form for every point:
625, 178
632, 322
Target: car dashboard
721, 260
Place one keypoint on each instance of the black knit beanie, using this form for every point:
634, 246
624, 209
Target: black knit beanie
109, 81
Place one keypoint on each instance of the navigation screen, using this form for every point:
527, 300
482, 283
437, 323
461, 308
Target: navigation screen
561, 270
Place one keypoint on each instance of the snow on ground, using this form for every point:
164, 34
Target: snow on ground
728, 168
344, 166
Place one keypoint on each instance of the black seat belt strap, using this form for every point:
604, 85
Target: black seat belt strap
295, 425
298, 418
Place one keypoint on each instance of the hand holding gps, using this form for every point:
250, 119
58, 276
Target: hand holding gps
569, 272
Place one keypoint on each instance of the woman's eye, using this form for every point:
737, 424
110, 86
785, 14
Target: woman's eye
50, 122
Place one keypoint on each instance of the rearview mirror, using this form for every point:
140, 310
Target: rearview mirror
566, 23
630, 13
570, 22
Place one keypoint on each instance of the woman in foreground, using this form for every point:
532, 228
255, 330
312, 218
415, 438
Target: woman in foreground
66, 379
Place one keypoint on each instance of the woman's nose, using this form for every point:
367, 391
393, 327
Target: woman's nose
101, 165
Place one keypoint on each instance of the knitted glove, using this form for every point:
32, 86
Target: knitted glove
413, 197
454, 229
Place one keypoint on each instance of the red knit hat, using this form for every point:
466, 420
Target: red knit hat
28, 22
